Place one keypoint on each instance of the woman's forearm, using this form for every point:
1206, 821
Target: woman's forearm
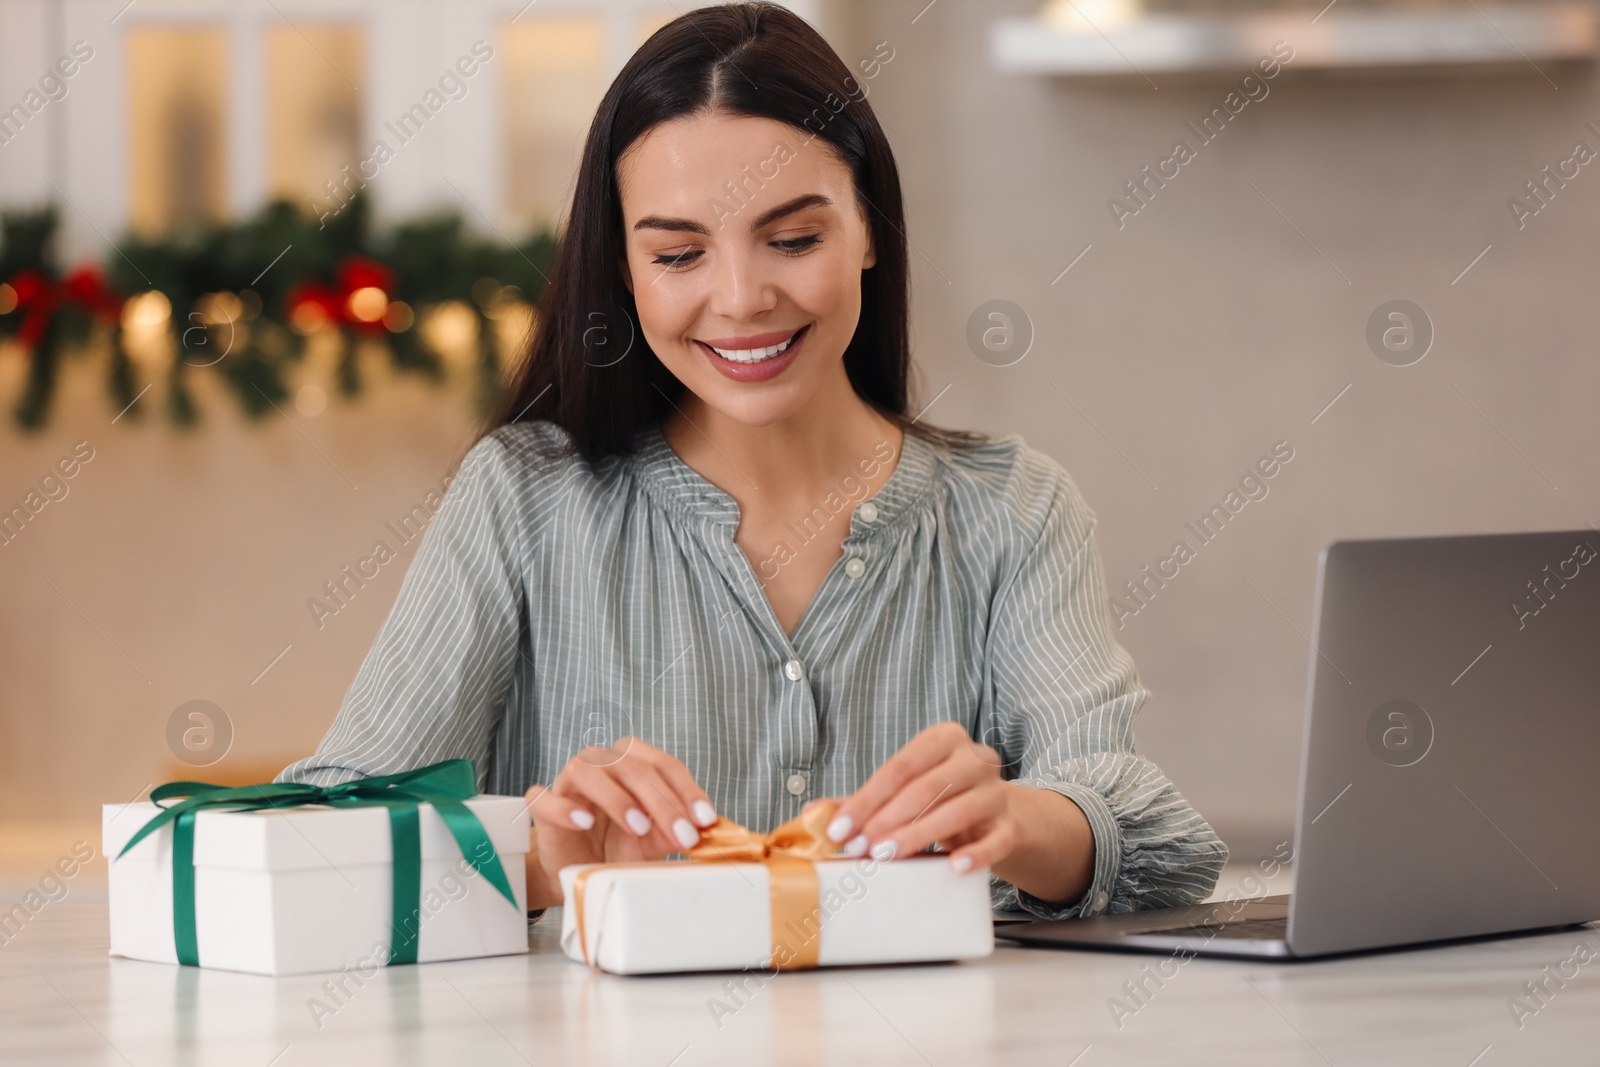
1054, 855
1053, 858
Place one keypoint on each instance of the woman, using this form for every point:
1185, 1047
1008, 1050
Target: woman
706, 562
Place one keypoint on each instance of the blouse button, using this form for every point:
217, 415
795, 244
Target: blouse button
793, 670
1100, 900
868, 512
796, 784
855, 568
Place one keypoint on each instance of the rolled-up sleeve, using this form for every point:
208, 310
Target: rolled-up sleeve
434, 684
1063, 695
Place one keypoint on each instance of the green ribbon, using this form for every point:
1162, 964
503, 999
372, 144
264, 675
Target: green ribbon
443, 785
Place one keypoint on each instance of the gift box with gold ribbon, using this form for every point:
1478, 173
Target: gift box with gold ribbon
787, 900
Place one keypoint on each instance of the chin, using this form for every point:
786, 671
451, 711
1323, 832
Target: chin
750, 410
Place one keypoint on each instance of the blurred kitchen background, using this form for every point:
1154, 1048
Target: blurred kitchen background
1156, 322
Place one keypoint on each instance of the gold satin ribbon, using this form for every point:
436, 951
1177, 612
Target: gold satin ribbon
789, 852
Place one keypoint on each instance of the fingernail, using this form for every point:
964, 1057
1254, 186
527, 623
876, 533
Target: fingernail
637, 821
704, 813
857, 845
583, 820
961, 864
839, 828
685, 833
883, 850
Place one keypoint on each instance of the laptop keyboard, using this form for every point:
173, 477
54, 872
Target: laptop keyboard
1243, 929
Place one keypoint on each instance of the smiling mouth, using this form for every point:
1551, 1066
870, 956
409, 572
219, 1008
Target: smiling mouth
757, 355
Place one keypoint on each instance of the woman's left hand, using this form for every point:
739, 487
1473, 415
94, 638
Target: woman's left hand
941, 787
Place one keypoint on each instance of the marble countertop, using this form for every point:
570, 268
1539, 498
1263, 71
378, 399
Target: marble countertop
64, 1001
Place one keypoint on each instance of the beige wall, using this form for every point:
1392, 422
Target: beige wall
1190, 342
191, 559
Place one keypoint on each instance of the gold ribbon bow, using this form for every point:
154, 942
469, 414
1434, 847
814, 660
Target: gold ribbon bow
789, 852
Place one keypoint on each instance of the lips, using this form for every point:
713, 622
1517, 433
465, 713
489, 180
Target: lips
756, 366
754, 348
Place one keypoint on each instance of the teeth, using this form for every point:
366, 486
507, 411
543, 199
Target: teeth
751, 355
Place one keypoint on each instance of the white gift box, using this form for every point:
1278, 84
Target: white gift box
310, 889
697, 916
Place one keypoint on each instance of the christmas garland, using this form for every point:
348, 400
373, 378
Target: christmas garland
243, 300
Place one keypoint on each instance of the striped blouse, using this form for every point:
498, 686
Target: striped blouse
554, 604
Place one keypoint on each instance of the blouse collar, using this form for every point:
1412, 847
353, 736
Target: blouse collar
681, 488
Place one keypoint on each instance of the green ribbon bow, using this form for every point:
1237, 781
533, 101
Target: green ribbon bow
443, 785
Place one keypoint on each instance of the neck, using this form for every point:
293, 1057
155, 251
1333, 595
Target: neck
797, 457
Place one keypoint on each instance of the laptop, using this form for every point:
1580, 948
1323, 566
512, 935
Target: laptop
1448, 787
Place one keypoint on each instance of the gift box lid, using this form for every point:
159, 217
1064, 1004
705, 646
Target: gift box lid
309, 837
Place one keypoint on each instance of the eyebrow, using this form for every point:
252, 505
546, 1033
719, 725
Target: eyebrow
790, 207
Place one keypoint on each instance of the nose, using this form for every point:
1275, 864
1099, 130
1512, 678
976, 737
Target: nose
741, 287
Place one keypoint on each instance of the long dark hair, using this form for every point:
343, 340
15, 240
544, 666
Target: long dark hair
750, 59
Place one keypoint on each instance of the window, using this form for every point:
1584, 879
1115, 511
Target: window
555, 75
177, 114
313, 107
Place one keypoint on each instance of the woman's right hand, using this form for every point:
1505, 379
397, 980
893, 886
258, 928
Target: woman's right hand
627, 802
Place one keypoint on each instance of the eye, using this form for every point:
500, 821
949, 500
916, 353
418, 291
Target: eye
796, 246
681, 259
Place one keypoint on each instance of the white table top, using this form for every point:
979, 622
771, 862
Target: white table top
64, 1001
